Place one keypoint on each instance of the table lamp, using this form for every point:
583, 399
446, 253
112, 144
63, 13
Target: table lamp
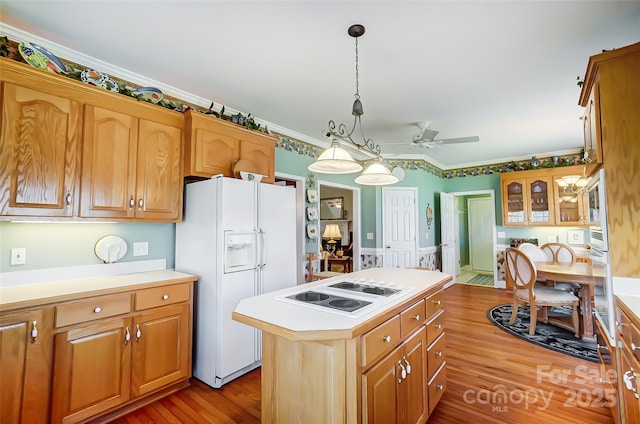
331, 232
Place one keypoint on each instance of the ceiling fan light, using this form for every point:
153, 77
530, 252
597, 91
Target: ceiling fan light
561, 183
335, 160
377, 174
571, 179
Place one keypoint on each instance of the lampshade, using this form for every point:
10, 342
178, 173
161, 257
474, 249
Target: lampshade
377, 174
335, 160
332, 231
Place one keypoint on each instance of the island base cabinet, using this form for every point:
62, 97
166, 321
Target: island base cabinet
395, 388
25, 355
91, 370
289, 368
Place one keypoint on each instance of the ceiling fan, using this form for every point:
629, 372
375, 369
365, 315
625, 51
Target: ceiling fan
426, 138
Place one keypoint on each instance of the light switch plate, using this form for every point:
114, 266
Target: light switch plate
140, 248
501, 234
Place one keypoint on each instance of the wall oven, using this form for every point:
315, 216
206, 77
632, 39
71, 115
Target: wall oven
599, 253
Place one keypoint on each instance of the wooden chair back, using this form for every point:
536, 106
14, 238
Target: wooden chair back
559, 252
535, 253
521, 270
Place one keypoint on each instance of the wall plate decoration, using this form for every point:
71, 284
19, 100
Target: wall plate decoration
312, 195
110, 249
312, 213
312, 231
429, 216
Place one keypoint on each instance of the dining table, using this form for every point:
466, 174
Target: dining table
583, 274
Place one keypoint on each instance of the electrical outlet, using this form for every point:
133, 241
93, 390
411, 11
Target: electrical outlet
141, 248
501, 234
18, 256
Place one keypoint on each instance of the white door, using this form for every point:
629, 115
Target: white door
480, 234
447, 235
400, 231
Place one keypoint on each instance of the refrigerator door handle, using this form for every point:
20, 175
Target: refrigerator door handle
262, 262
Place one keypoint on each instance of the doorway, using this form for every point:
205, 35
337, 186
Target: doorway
471, 239
349, 223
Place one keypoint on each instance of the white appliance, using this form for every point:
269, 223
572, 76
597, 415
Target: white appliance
239, 238
599, 253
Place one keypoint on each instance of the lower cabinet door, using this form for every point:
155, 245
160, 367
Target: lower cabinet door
380, 384
160, 348
92, 370
25, 354
413, 390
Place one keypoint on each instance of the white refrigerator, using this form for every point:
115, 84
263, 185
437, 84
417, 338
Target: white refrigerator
239, 238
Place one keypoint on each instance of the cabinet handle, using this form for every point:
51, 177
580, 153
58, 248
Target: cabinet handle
438, 326
439, 386
132, 202
68, 199
438, 354
634, 347
404, 358
403, 370
34, 331
127, 335
140, 203
97, 310
165, 297
386, 339
629, 381
417, 317
138, 332
437, 302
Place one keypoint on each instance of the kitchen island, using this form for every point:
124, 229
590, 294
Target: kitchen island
382, 363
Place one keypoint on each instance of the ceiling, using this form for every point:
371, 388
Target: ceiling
503, 71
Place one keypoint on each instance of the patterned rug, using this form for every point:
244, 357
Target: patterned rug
481, 280
546, 335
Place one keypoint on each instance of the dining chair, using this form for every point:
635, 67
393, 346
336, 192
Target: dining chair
320, 275
562, 254
522, 272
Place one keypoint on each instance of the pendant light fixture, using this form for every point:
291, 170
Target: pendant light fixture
337, 160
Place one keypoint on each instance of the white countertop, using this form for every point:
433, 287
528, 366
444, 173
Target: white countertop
628, 291
290, 317
50, 291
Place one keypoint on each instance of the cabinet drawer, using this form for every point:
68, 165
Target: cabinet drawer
437, 386
435, 356
628, 332
412, 318
161, 296
92, 309
435, 327
435, 303
380, 340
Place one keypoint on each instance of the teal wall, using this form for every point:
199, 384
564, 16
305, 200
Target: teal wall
53, 244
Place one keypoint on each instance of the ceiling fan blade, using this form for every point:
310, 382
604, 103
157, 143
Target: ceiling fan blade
459, 140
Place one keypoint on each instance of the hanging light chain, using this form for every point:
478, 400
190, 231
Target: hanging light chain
357, 69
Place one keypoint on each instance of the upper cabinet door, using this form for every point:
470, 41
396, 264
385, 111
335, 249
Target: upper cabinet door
39, 159
540, 201
513, 202
159, 174
109, 164
592, 131
262, 154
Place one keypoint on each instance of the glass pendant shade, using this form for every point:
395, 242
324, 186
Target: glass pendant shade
377, 174
335, 160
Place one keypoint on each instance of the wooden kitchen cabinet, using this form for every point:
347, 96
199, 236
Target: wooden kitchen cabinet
592, 130
213, 146
72, 150
533, 198
119, 351
92, 370
131, 168
395, 388
25, 358
526, 200
39, 151
628, 363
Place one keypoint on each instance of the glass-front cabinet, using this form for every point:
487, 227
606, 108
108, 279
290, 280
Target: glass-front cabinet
571, 205
527, 201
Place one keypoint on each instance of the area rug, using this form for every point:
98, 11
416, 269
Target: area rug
546, 335
481, 280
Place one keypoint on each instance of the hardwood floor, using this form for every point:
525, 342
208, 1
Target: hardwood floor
492, 377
